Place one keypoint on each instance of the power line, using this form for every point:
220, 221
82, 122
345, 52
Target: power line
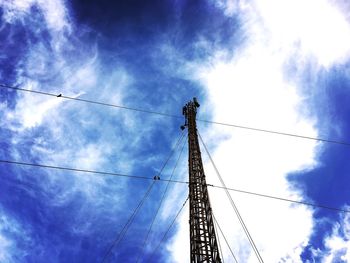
133, 215
178, 116
277, 132
228, 245
172, 181
90, 101
88, 171
283, 199
160, 204
168, 229
246, 231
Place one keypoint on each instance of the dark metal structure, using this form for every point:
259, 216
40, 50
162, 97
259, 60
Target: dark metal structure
204, 246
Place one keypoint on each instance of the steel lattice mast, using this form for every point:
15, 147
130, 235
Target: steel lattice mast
204, 246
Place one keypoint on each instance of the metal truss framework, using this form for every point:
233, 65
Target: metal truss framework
203, 242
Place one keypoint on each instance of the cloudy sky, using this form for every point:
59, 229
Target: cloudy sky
273, 65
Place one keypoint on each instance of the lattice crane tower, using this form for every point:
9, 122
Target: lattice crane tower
203, 242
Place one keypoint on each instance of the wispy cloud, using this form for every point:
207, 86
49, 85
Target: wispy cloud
256, 88
15, 241
253, 77
72, 134
337, 243
55, 13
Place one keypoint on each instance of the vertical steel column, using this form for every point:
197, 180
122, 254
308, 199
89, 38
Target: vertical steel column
204, 247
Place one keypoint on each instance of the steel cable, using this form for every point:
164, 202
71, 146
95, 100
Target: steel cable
167, 231
228, 245
246, 231
130, 220
159, 206
126, 226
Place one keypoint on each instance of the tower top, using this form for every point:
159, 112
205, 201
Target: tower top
193, 104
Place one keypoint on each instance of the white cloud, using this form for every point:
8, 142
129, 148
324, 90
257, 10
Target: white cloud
338, 244
13, 9
47, 65
73, 134
12, 233
54, 12
230, 7
30, 110
5, 245
62, 132
179, 247
317, 26
252, 89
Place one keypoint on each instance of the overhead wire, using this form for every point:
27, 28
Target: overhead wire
228, 245
160, 204
173, 181
282, 199
246, 231
87, 171
276, 132
59, 95
167, 231
130, 220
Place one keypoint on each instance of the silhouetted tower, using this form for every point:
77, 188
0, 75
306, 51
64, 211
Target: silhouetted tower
204, 246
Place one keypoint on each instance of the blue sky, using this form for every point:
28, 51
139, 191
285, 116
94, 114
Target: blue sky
278, 65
